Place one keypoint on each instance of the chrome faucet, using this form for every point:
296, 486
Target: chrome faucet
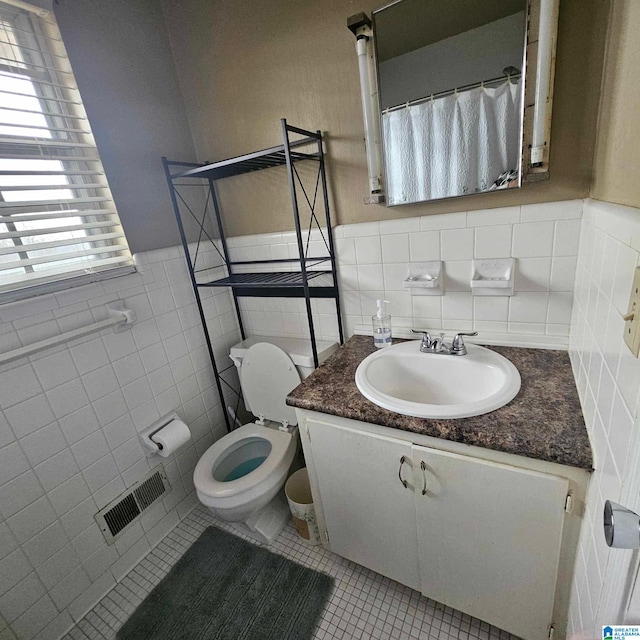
439, 346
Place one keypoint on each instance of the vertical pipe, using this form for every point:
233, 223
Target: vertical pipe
370, 115
194, 284
546, 33
296, 220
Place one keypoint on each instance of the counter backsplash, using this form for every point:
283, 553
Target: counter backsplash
372, 263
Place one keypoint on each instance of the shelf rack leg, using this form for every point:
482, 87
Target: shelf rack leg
223, 240
296, 219
332, 251
194, 284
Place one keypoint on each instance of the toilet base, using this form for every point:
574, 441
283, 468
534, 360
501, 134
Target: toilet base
266, 524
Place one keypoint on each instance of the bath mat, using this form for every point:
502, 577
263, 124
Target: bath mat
225, 588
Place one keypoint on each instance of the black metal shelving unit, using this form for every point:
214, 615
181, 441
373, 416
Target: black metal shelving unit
313, 277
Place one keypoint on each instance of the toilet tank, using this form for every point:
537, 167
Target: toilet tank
297, 349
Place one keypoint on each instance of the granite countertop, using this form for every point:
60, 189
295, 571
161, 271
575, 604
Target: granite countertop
543, 421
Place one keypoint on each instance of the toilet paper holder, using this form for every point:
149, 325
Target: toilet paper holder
148, 444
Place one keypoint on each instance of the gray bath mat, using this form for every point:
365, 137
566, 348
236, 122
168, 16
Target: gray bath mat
225, 588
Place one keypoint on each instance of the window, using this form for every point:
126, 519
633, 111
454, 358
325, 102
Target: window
58, 223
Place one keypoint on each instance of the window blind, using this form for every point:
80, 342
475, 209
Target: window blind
58, 222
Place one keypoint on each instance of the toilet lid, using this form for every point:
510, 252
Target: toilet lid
267, 376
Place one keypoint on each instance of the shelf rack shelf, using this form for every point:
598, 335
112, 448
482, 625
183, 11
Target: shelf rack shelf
305, 277
263, 159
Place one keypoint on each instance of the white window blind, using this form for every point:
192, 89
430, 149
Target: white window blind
58, 222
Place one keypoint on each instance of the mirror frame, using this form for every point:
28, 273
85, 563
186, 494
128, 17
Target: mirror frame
528, 172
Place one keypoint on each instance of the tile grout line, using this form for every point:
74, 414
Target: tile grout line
363, 604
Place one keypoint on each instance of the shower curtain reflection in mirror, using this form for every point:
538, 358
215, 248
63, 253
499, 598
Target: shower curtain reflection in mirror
463, 142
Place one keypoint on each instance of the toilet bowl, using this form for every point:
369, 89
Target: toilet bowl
242, 472
241, 476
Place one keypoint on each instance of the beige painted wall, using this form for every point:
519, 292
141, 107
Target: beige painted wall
618, 142
120, 54
244, 64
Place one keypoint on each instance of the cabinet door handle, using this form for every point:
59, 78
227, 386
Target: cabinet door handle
423, 466
402, 461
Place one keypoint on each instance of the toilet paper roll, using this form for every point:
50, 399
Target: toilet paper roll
171, 437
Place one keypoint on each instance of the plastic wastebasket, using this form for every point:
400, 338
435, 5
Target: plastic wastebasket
300, 501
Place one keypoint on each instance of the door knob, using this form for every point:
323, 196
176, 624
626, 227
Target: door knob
621, 526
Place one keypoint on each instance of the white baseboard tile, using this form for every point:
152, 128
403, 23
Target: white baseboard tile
87, 600
188, 505
127, 561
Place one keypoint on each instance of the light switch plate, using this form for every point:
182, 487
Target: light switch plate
632, 318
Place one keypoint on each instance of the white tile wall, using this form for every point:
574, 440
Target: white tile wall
608, 380
372, 260
556, 253
69, 418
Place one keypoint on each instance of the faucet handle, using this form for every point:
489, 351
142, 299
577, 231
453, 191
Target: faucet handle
427, 341
457, 344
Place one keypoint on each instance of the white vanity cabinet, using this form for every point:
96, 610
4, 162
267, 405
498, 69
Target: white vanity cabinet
478, 534
367, 510
489, 538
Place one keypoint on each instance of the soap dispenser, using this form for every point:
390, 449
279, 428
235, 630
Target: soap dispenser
381, 326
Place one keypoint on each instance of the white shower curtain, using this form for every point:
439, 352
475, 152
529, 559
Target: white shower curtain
453, 145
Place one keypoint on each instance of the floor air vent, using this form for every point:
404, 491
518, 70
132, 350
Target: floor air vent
127, 507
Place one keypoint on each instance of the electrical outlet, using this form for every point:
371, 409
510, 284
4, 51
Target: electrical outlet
632, 317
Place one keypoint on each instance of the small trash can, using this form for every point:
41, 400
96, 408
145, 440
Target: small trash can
298, 494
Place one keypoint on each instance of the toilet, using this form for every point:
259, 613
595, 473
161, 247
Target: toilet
241, 476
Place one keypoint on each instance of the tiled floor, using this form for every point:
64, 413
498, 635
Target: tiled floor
363, 605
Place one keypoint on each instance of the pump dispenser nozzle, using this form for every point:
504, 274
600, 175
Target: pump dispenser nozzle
381, 310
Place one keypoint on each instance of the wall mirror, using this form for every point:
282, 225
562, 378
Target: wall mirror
451, 95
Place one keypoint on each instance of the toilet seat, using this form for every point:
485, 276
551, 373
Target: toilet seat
281, 442
267, 376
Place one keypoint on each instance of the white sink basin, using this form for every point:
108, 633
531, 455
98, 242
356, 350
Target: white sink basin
428, 385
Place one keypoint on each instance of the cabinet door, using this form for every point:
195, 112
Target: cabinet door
489, 539
368, 512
